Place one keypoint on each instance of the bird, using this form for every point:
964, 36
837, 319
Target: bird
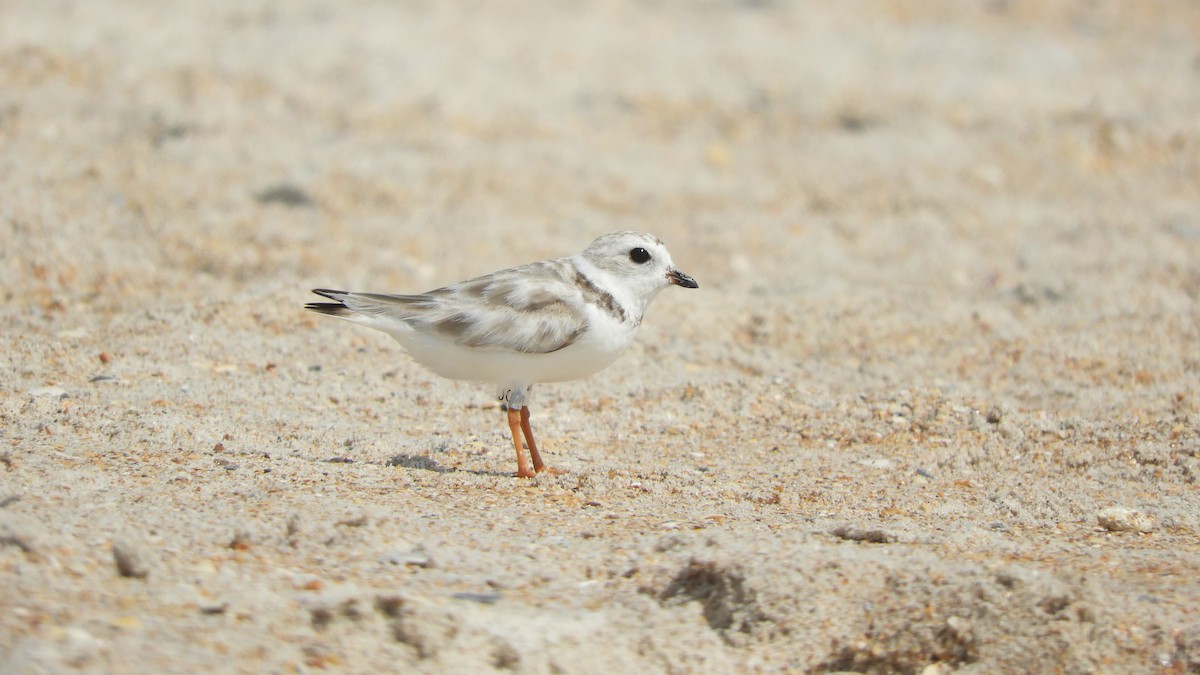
548, 321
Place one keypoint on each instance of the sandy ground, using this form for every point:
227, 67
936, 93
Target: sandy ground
933, 409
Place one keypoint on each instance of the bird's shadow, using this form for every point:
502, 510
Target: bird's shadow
417, 462
424, 463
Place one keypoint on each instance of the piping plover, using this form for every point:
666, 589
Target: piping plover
549, 321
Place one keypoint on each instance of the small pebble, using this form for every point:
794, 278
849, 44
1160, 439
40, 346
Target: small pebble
876, 463
870, 536
10, 538
936, 669
131, 559
482, 598
357, 521
414, 558
1121, 519
286, 194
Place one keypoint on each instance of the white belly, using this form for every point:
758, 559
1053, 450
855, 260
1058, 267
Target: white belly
594, 351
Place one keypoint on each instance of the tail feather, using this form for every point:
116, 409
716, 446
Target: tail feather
331, 308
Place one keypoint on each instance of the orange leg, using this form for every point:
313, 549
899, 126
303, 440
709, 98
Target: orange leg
516, 424
538, 466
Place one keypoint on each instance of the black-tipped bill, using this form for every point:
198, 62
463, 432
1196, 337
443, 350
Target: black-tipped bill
680, 279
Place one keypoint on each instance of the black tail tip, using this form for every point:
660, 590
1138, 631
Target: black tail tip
329, 293
330, 308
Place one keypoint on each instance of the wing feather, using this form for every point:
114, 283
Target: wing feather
534, 309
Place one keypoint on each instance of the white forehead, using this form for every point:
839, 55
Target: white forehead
622, 242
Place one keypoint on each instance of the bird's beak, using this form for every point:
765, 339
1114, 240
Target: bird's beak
680, 279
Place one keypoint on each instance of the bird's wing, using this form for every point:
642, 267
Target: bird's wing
534, 309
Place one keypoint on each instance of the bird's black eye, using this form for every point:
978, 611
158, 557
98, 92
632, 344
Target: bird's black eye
639, 255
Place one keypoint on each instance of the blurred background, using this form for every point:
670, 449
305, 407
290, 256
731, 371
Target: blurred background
944, 165
949, 267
